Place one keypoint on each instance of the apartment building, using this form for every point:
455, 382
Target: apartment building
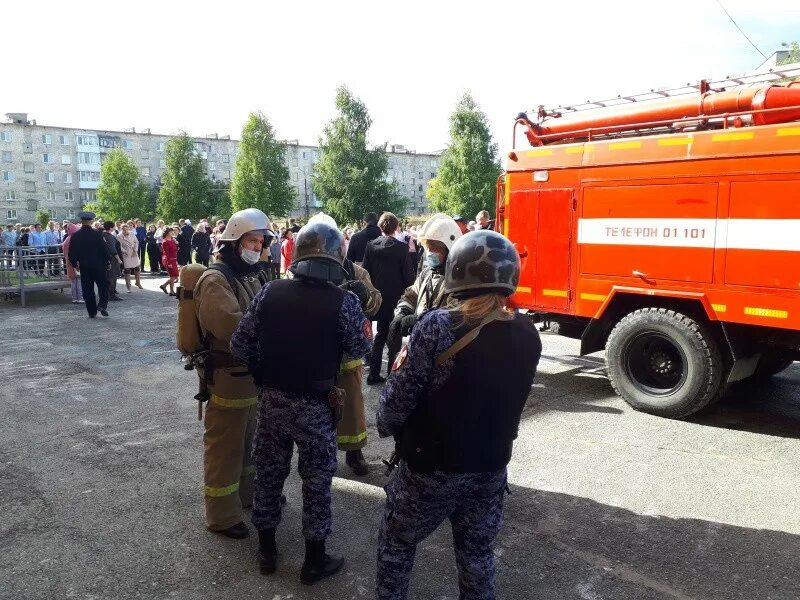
44, 167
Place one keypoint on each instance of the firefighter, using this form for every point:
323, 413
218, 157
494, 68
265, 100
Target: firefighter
230, 413
437, 235
351, 432
318, 323
454, 438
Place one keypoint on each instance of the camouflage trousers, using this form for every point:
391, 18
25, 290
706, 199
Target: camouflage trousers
284, 420
416, 505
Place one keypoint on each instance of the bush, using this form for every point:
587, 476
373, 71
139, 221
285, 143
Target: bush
43, 217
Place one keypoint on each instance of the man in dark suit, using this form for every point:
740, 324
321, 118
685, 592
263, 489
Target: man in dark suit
389, 264
185, 243
359, 240
89, 255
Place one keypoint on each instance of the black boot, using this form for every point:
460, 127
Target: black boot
318, 565
237, 532
355, 460
267, 551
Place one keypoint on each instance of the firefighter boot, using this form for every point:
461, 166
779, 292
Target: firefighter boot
267, 551
355, 460
237, 532
318, 565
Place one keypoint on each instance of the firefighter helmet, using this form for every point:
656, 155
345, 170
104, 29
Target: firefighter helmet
482, 260
440, 228
319, 252
249, 219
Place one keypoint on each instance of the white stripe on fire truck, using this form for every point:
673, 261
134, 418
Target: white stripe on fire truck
744, 234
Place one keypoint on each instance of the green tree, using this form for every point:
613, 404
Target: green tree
121, 194
794, 53
219, 200
468, 170
349, 177
261, 179
43, 217
184, 186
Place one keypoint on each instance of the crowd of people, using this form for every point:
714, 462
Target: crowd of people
318, 289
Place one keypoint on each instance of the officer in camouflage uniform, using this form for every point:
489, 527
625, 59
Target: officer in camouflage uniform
318, 322
351, 431
438, 235
453, 402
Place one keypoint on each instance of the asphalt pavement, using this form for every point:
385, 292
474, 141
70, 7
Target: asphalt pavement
101, 481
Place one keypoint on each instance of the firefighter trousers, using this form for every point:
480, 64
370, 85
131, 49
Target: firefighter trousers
351, 432
227, 463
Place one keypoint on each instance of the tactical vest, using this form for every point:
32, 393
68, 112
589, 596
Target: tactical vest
300, 341
468, 425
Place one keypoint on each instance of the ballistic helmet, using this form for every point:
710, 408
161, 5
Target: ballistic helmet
440, 228
249, 219
319, 252
482, 260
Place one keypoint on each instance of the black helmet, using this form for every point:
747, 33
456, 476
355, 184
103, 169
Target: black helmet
482, 260
318, 253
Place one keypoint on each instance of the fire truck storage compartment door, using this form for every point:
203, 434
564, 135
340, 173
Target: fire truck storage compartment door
665, 232
554, 248
763, 235
522, 218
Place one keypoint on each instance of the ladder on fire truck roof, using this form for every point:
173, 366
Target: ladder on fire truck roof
776, 74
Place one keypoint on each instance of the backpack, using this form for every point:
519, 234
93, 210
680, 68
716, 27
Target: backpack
189, 336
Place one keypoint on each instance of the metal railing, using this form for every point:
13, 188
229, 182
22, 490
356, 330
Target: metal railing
25, 269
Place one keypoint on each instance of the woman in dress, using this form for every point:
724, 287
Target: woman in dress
130, 256
169, 258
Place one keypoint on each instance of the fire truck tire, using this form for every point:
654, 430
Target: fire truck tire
664, 363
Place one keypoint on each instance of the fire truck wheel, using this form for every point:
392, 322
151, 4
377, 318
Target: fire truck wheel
664, 363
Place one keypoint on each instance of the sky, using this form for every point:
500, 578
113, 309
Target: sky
204, 66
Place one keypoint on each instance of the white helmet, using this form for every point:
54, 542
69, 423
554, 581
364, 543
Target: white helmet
249, 219
321, 217
441, 228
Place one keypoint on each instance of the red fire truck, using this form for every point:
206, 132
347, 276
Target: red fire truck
666, 232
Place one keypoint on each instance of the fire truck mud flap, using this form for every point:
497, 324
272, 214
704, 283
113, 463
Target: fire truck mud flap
664, 363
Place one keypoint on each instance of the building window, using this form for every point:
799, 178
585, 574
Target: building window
66, 159
88, 196
433, 174
71, 214
226, 158
413, 193
89, 176
145, 171
11, 195
420, 174
47, 159
413, 181
5, 136
68, 196
145, 154
162, 164
88, 158
11, 213
8, 176
212, 166
127, 144
305, 155
67, 177
63, 140
47, 139
7, 156
50, 177
49, 195
160, 146
86, 140
420, 187
433, 163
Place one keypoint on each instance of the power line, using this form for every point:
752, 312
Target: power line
725, 10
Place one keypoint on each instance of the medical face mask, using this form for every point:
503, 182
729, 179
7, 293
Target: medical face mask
250, 256
433, 260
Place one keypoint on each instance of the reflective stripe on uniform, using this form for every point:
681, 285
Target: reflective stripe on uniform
351, 439
248, 470
233, 402
217, 492
349, 365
